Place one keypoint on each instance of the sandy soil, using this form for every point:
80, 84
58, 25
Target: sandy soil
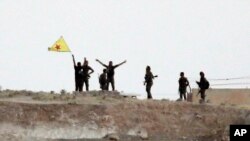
29, 116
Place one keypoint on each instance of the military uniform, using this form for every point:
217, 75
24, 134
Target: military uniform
78, 78
103, 81
149, 83
183, 83
85, 75
202, 85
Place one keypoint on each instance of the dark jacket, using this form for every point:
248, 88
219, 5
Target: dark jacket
203, 82
183, 83
149, 77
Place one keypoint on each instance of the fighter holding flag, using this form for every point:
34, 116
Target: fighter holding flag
81, 71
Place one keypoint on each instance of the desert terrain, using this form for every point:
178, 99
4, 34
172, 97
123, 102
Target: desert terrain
101, 116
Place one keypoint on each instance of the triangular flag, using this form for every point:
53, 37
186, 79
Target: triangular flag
60, 46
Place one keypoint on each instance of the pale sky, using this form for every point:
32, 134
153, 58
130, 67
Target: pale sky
169, 35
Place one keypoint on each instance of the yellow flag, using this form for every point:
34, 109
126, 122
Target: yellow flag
60, 46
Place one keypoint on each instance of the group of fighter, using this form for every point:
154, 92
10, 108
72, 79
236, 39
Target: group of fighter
82, 76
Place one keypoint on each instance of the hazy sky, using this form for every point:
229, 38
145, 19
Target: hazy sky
169, 35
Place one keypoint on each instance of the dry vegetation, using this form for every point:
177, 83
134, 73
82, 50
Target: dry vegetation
232, 97
95, 114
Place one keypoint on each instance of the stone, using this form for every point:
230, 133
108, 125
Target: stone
112, 137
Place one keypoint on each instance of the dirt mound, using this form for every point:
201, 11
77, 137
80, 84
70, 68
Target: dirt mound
225, 96
87, 117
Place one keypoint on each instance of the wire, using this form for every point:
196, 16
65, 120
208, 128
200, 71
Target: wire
223, 79
240, 83
233, 78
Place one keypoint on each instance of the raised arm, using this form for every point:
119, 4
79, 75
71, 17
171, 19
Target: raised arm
121, 63
74, 62
84, 60
101, 63
91, 70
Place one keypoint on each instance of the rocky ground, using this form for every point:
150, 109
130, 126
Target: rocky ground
101, 116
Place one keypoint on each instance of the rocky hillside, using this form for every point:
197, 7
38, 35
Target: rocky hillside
41, 116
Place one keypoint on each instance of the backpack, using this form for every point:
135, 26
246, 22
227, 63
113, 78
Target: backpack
206, 86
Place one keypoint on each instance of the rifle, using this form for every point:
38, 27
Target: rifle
199, 91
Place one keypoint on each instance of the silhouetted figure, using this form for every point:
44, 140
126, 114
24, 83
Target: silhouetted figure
183, 83
85, 73
110, 72
203, 85
149, 81
78, 75
103, 80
